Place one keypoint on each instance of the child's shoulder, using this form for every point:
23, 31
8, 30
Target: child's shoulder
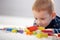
55, 23
58, 17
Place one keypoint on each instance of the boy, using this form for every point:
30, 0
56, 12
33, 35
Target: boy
45, 15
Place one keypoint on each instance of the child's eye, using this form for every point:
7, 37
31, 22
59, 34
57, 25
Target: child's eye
42, 18
36, 18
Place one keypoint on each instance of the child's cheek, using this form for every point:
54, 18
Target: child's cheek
46, 23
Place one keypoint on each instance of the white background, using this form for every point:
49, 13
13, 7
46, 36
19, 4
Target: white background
21, 8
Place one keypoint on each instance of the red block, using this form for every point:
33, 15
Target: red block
50, 32
32, 28
59, 35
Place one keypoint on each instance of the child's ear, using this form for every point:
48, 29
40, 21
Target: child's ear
53, 15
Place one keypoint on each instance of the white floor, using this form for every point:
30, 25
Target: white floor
17, 36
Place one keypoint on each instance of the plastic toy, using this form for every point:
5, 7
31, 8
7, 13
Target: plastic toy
50, 32
14, 31
45, 35
9, 29
28, 32
42, 35
39, 35
34, 32
20, 31
41, 28
32, 28
59, 35
39, 32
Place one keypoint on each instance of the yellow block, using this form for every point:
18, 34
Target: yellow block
14, 31
39, 35
45, 35
42, 35
41, 28
26, 30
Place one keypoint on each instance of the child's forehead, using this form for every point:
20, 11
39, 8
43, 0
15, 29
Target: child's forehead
41, 13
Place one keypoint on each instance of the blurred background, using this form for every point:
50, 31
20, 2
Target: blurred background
16, 12
20, 8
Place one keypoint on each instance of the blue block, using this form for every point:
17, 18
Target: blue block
8, 29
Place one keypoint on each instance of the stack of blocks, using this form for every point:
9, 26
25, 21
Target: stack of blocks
39, 32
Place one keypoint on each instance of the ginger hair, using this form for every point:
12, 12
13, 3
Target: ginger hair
43, 5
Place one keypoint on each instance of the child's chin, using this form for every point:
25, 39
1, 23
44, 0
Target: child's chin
42, 26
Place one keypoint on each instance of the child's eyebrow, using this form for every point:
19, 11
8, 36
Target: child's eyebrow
39, 18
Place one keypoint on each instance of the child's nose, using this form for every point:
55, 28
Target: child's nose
39, 22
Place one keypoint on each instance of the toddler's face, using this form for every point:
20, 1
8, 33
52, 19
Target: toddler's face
43, 18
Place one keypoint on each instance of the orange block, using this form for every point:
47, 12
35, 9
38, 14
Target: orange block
29, 33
